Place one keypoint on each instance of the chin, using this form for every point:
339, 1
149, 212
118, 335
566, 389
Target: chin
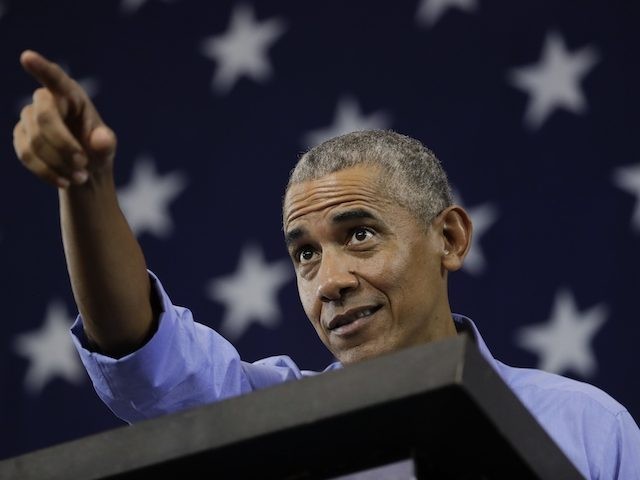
360, 353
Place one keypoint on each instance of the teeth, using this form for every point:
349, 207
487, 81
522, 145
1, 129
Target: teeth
345, 320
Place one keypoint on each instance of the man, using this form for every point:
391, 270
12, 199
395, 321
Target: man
372, 232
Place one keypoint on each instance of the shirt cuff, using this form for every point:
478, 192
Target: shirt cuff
147, 364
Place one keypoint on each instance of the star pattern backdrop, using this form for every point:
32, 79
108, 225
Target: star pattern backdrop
532, 106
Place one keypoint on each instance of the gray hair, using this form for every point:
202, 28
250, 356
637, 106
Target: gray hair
413, 177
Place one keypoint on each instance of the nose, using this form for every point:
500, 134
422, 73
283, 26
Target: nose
335, 277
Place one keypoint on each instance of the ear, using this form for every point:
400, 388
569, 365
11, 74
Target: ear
456, 230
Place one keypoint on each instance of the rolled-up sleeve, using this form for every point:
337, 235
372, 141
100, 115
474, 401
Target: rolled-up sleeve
184, 364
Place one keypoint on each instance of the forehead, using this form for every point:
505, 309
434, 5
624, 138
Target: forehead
354, 186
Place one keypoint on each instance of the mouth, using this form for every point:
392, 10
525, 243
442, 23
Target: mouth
352, 320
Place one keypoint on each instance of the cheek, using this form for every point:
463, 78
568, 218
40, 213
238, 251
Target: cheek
405, 276
307, 298
388, 270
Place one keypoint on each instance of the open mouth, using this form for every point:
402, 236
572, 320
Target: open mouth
352, 319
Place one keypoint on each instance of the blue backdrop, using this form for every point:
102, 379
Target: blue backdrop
532, 106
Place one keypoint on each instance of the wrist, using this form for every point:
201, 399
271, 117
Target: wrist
99, 188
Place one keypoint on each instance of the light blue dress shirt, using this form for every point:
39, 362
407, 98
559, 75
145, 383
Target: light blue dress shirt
186, 364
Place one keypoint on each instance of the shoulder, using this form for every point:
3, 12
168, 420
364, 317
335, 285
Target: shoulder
595, 431
545, 389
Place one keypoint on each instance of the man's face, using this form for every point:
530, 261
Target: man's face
370, 276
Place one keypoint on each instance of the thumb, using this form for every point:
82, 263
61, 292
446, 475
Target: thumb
102, 143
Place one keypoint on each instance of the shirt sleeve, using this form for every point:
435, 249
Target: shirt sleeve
183, 365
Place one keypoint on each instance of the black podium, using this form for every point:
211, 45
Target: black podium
438, 411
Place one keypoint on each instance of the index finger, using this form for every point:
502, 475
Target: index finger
48, 73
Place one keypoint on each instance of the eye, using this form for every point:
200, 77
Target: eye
360, 235
305, 254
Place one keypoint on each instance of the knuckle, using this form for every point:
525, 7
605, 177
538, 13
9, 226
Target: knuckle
36, 142
39, 94
44, 117
26, 112
17, 131
39, 170
18, 142
26, 158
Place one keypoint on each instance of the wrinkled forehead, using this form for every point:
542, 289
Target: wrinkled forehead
359, 184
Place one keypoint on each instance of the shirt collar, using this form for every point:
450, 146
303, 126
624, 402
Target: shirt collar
463, 324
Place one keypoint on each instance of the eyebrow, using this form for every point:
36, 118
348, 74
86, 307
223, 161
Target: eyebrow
293, 235
338, 218
352, 215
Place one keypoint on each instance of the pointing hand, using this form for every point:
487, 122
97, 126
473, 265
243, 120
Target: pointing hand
60, 136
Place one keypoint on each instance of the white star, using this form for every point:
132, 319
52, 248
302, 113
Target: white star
564, 343
129, 7
250, 294
50, 351
90, 85
555, 81
242, 49
483, 217
145, 201
628, 178
347, 119
430, 11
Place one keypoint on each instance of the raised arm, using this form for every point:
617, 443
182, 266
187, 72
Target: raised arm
62, 139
